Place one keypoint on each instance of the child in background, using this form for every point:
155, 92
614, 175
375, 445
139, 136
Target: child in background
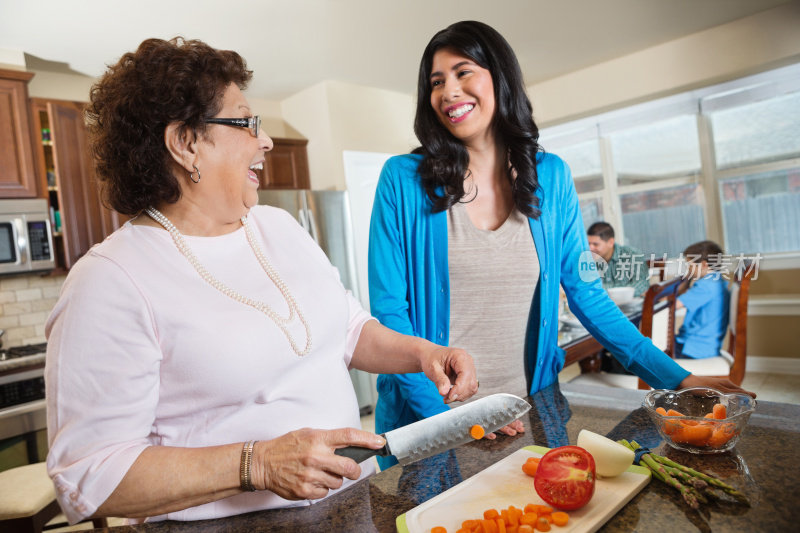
706, 303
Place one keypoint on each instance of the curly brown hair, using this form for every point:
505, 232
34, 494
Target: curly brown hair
130, 107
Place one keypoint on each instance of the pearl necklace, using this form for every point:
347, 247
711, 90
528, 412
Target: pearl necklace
279, 321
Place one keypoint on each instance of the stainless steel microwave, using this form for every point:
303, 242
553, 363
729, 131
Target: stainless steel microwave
26, 238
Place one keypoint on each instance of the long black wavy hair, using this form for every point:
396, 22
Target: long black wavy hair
446, 160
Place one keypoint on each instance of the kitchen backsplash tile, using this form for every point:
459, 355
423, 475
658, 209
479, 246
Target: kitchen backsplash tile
25, 304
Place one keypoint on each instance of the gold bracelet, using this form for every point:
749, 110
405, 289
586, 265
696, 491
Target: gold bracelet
245, 483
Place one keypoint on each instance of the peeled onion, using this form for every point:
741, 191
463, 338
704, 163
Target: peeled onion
611, 458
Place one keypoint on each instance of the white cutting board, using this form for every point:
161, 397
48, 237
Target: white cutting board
504, 483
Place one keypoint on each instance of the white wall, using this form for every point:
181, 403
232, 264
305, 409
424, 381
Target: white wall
272, 118
752, 44
309, 113
337, 116
12, 59
371, 120
60, 86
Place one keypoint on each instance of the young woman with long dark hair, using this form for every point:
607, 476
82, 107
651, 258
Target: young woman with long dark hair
472, 235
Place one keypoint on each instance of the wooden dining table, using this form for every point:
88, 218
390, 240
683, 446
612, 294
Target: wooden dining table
580, 347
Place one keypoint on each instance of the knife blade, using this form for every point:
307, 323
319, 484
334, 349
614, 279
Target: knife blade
444, 431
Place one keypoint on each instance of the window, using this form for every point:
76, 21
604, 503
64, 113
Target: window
757, 132
591, 211
584, 161
665, 149
663, 221
668, 161
761, 212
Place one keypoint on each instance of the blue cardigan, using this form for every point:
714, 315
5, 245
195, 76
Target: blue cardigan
409, 288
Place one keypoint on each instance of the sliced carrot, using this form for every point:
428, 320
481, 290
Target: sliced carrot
469, 524
489, 526
718, 439
720, 412
512, 529
694, 435
560, 518
721, 435
528, 519
530, 467
542, 524
501, 525
548, 517
530, 508
670, 426
673, 412
490, 514
661, 411
438, 529
477, 432
525, 529
464, 530
513, 515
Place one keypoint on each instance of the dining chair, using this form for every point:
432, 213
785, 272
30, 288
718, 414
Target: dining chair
657, 267
28, 500
658, 316
730, 363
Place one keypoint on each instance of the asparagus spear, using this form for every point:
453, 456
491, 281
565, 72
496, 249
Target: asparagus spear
705, 477
689, 494
711, 480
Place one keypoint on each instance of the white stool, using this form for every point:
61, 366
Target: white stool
28, 500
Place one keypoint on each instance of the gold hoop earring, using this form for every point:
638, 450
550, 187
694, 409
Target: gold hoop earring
198, 175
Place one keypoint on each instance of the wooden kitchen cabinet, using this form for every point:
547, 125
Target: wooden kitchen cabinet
286, 166
66, 172
17, 170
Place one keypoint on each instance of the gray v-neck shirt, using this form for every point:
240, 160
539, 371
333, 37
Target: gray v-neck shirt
493, 276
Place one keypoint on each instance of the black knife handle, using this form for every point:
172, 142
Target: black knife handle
359, 454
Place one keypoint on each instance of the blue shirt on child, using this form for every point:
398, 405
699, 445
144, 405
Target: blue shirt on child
706, 319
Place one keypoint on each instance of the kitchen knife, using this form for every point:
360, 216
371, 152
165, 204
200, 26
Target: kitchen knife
444, 431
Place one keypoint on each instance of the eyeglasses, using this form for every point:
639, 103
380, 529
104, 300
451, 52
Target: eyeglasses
252, 123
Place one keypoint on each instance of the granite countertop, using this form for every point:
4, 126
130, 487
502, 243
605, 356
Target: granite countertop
764, 465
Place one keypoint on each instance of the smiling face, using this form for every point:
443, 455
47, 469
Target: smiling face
226, 158
462, 96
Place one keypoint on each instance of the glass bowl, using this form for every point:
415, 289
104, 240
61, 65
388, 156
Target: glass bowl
695, 431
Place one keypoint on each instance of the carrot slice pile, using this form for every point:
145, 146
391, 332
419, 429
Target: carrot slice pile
513, 520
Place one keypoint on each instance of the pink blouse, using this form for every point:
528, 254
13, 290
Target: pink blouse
143, 352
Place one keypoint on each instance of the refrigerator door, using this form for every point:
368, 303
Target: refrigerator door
291, 200
331, 224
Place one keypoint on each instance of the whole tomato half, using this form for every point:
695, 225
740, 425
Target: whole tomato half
565, 477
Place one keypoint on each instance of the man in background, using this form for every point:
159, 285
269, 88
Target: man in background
626, 265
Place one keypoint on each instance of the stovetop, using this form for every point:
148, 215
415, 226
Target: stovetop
16, 352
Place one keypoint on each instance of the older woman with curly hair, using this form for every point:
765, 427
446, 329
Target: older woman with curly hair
190, 352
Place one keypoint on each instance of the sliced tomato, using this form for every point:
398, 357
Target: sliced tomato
565, 477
